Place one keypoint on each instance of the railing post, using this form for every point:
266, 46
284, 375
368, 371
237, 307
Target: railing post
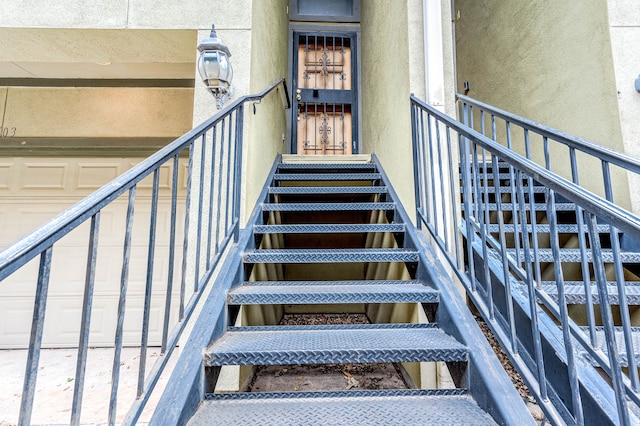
416, 173
238, 172
35, 342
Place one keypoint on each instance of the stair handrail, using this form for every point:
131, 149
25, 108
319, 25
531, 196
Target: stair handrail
430, 127
605, 155
220, 134
602, 152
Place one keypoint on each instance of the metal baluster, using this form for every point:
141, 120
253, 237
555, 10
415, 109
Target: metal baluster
607, 320
149, 283
564, 313
533, 305
423, 156
238, 171
227, 194
220, 176
212, 173
85, 323
466, 181
533, 215
454, 191
172, 253
484, 229
122, 300
505, 259
185, 242
443, 197
417, 176
198, 247
35, 340
586, 274
432, 193
621, 284
547, 155
514, 210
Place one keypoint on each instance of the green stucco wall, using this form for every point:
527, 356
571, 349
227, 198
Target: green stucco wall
549, 61
386, 122
269, 32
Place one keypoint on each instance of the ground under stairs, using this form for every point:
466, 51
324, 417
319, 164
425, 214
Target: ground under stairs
334, 238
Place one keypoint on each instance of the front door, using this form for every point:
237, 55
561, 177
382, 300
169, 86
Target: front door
325, 88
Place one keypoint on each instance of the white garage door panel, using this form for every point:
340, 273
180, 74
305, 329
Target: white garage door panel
63, 319
32, 191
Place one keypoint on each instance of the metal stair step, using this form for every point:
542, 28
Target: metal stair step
326, 176
575, 293
507, 189
544, 228
341, 408
309, 190
574, 255
324, 292
620, 343
320, 207
333, 345
330, 255
328, 228
326, 166
564, 207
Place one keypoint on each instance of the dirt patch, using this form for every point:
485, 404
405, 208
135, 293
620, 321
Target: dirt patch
326, 377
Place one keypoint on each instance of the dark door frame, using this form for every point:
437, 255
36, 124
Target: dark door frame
347, 30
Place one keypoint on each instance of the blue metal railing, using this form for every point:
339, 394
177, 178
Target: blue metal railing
209, 207
484, 205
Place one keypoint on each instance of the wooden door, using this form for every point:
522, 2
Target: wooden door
324, 94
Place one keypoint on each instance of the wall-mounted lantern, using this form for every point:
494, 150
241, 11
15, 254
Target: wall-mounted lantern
215, 68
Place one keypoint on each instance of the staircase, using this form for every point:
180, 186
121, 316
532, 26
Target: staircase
334, 238
575, 257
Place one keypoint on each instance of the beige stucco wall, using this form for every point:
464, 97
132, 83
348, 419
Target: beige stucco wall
624, 21
386, 88
550, 61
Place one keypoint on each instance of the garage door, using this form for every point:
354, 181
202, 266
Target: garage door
32, 191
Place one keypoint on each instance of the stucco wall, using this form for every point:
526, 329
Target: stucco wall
386, 88
268, 63
624, 21
550, 61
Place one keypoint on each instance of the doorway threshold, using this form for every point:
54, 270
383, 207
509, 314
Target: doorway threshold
320, 159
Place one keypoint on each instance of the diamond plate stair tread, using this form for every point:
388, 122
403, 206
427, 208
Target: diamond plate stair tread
334, 346
543, 228
620, 343
326, 176
309, 207
328, 190
507, 189
328, 228
573, 255
347, 410
326, 166
331, 293
575, 294
330, 255
564, 207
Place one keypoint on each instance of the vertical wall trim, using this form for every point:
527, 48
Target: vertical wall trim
433, 53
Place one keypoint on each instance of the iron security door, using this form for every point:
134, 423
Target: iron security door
325, 88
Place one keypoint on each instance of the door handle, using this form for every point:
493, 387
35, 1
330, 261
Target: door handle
298, 97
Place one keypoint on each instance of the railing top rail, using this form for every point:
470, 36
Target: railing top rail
29, 246
609, 212
607, 154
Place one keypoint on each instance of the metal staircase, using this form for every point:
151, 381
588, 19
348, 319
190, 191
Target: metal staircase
347, 219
